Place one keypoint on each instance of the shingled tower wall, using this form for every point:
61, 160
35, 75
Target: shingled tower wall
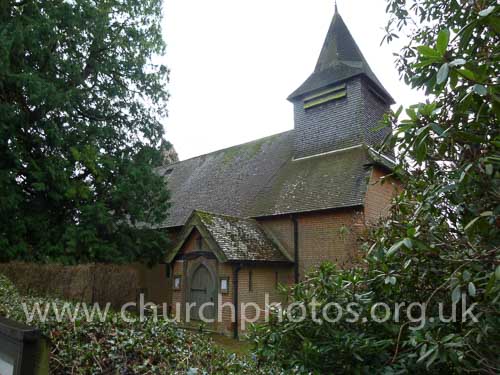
342, 102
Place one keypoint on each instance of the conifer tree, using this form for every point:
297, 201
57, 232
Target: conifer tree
80, 131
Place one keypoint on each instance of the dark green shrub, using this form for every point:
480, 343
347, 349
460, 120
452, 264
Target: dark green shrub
117, 347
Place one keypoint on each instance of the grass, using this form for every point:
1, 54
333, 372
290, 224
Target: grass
231, 345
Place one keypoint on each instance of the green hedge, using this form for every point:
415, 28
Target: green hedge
117, 347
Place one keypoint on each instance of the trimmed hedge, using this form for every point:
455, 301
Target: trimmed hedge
103, 283
117, 347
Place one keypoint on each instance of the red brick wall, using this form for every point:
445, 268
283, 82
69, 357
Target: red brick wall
263, 282
178, 295
323, 236
155, 283
226, 326
329, 236
379, 195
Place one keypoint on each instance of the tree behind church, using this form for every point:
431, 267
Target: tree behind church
80, 131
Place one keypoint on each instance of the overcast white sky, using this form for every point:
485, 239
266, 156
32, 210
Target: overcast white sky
234, 62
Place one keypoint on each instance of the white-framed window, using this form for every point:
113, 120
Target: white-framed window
177, 282
224, 285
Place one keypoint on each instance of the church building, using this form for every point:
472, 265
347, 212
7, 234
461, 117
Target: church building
245, 219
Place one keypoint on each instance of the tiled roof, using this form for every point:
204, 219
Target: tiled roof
242, 239
340, 59
225, 181
261, 178
332, 180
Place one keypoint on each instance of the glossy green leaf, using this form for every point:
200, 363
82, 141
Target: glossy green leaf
480, 90
442, 41
488, 169
471, 223
442, 74
438, 129
395, 247
456, 295
466, 275
467, 74
427, 51
408, 243
427, 353
432, 359
472, 289
486, 12
390, 280
458, 62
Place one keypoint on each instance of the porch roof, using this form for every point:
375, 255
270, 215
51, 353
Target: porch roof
233, 239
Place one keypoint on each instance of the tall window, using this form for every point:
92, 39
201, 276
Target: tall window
250, 281
224, 285
177, 282
276, 279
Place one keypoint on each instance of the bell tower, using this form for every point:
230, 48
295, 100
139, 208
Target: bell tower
342, 101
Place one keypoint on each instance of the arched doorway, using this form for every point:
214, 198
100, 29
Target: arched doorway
202, 290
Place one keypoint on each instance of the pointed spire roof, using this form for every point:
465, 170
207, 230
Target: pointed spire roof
339, 60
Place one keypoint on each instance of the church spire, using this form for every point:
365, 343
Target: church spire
339, 47
339, 60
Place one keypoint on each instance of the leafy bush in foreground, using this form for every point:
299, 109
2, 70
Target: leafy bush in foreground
367, 346
117, 347
340, 347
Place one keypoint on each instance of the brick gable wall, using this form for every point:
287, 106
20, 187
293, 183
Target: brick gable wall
379, 195
328, 237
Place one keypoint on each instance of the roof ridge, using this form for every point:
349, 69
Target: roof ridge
228, 148
361, 145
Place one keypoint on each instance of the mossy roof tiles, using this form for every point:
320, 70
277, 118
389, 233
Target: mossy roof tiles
261, 178
226, 181
242, 239
315, 183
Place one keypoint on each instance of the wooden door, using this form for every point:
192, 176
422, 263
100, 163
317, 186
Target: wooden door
202, 291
